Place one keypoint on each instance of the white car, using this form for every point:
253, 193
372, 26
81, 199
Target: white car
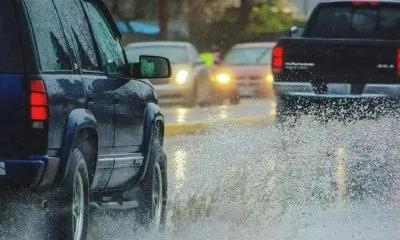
190, 81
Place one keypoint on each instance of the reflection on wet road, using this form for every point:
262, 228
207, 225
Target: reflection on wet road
247, 108
181, 115
341, 172
178, 167
315, 180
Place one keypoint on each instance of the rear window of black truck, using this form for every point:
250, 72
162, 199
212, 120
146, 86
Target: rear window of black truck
10, 53
349, 21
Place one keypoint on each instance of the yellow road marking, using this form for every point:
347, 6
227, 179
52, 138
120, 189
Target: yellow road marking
200, 127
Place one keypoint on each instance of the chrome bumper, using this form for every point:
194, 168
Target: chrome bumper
302, 89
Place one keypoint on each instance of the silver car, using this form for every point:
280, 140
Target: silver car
191, 77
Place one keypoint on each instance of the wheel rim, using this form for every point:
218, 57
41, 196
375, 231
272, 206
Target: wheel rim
78, 207
157, 196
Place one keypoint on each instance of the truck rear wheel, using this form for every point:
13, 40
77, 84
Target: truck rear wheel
68, 205
153, 190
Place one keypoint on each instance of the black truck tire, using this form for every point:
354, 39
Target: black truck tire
68, 205
152, 197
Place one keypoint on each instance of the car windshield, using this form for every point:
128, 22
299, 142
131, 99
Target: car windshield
10, 53
350, 22
248, 56
177, 55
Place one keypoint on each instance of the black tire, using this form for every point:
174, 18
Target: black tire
64, 202
235, 98
149, 215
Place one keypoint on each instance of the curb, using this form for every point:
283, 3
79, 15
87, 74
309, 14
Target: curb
201, 127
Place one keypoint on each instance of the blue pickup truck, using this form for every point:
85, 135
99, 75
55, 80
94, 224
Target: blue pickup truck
78, 123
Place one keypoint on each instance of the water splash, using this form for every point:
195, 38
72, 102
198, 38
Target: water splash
316, 180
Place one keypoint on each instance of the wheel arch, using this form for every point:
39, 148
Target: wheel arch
81, 130
153, 118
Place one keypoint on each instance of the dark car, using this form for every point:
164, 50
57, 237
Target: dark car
347, 59
78, 123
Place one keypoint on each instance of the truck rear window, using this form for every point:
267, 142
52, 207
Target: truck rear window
10, 54
355, 22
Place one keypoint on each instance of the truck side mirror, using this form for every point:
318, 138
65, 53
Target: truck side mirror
149, 67
296, 31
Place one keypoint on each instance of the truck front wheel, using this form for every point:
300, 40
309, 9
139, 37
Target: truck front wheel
153, 190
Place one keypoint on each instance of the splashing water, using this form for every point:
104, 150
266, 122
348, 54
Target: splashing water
311, 181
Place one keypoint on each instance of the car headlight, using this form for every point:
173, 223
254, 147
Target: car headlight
269, 78
182, 77
223, 78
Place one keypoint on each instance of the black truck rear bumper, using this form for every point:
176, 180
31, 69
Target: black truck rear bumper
342, 101
35, 172
306, 89
375, 99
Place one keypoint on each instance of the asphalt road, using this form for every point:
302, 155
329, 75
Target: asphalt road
248, 108
240, 180
257, 181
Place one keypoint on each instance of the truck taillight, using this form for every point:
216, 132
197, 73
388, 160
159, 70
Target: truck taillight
277, 59
372, 3
38, 101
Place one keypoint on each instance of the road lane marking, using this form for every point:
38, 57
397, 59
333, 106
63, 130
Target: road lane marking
201, 127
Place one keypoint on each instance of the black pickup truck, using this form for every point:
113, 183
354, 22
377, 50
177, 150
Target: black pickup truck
347, 57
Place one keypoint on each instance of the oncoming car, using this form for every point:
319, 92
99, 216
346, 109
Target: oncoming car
82, 125
190, 75
248, 66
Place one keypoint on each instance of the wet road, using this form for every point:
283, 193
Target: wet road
258, 181
248, 108
312, 181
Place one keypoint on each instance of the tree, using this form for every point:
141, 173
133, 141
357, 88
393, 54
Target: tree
122, 9
270, 18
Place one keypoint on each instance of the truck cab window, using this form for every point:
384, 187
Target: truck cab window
111, 51
50, 40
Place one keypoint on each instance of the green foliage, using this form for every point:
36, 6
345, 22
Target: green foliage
269, 19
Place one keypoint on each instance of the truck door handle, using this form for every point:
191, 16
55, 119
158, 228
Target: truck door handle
116, 100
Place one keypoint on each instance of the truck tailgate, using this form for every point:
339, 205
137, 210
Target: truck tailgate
13, 94
13, 115
324, 61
